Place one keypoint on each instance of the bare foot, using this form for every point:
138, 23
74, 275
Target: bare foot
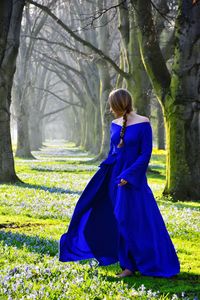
125, 273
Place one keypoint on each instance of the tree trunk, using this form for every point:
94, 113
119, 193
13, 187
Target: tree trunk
23, 144
7, 172
141, 99
78, 130
183, 140
77, 125
22, 118
183, 118
83, 128
26, 97
105, 83
179, 95
137, 82
90, 128
36, 135
160, 128
10, 24
105, 110
98, 130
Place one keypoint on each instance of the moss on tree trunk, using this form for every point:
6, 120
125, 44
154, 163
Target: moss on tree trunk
178, 94
177, 172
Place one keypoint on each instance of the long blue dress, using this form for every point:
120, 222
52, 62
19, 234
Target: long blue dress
121, 223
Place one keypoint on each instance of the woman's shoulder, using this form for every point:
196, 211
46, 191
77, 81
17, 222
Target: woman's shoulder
137, 119
117, 121
142, 119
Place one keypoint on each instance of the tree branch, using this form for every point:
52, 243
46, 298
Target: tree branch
79, 39
58, 44
166, 18
76, 90
54, 112
61, 63
98, 14
58, 97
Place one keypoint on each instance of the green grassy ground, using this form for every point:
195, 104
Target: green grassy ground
35, 214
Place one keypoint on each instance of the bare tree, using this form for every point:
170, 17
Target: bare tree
32, 25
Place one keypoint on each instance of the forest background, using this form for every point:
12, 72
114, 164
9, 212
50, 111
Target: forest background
59, 60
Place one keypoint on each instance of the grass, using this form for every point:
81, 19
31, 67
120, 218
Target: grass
35, 214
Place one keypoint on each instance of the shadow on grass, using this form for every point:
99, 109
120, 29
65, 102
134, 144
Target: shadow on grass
155, 175
183, 282
31, 243
179, 204
187, 205
40, 169
152, 173
187, 282
14, 225
47, 189
56, 152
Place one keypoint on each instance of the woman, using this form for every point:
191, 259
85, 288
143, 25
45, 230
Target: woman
117, 218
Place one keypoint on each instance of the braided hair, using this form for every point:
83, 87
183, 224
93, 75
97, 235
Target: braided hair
120, 101
122, 132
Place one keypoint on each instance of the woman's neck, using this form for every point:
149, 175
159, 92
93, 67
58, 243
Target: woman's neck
132, 114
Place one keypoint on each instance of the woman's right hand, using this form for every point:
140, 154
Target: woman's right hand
122, 182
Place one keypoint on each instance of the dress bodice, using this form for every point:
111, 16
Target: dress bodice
132, 137
132, 159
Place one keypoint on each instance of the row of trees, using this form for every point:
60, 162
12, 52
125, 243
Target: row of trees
145, 52
69, 69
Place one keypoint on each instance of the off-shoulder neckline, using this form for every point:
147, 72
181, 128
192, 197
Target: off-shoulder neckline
131, 124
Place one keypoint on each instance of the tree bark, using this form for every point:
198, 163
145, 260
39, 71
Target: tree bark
23, 145
89, 134
36, 138
10, 24
178, 94
98, 130
105, 112
183, 117
137, 82
160, 128
77, 125
105, 83
83, 128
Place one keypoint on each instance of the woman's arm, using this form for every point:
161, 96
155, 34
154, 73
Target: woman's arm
136, 172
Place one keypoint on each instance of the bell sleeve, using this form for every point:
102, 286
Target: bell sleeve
111, 149
135, 174
110, 157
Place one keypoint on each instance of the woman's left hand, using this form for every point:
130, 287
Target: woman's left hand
122, 182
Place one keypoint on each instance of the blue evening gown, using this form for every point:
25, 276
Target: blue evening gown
122, 223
